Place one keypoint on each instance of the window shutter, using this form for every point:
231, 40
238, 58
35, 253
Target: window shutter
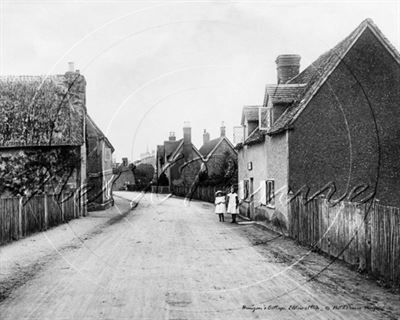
241, 190
263, 192
272, 193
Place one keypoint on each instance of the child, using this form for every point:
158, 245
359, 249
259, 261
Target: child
233, 204
220, 205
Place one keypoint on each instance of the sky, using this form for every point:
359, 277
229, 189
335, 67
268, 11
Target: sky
152, 65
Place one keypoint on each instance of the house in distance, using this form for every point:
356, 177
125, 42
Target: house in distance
124, 177
178, 162
219, 156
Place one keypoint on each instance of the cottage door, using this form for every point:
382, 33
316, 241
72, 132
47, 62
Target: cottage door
251, 212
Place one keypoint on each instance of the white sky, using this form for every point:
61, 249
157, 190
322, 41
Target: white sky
151, 65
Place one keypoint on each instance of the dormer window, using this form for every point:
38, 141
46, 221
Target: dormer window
265, 118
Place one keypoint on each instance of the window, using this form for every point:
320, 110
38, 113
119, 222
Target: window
265, 118
246, 189
270, 192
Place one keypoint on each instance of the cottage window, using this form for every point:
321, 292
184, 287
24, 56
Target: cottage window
265, 118
246, 189
270, 192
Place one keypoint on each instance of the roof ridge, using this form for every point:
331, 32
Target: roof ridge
289, 85
30, 77
252, 106
335, 51
318, 71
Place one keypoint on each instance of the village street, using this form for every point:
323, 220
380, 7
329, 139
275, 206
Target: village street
170, 259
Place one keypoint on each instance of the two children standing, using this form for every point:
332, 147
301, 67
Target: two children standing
231, 199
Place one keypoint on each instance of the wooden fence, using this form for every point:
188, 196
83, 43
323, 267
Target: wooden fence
200, 193
20, 217
364, 235
160, 189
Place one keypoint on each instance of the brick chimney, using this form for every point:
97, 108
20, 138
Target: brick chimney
206, 137
125, 162
223, 129
187, 133
187, 140
287, 66
172, 136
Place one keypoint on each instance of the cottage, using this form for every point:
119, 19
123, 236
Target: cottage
99, 167
123, 176
332, 128
178, 161
42, 136
45, 134
219, 156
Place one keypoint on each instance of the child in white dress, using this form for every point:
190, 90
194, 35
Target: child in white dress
233, 204
220, 207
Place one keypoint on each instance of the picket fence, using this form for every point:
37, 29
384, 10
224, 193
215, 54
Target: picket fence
20, 217
364, 235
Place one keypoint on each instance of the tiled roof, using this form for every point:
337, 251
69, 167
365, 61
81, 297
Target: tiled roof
284, 93
250, 113
170, 147
316, 74
209, 146
32, 78
255, 137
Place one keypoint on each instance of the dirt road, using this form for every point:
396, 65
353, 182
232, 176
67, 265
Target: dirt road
168, 259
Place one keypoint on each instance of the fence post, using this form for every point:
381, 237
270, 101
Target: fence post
62, 211
20, 206
46, 212
76, 206
73, 206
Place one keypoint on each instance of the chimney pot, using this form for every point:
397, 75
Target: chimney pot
71, 66
288, 66
172, 136
223, 129
206, 137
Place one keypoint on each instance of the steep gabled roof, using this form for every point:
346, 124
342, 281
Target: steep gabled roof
316, 74
207, 147
100, 134
180, 147
170, 147
211, 146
